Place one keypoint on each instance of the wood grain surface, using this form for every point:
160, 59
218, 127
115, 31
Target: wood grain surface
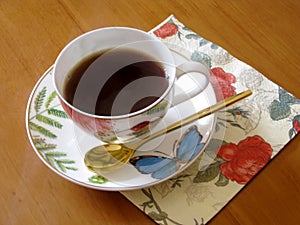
262, 33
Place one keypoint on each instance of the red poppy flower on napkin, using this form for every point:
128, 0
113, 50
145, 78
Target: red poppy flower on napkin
222, 83
245, 159
167, 30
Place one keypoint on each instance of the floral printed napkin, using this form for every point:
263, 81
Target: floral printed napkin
242, 134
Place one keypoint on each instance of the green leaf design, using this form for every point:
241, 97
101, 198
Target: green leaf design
40, 99
45, 146
279, 111
41, 130
179, 35
55, 154
186, 28
146, 193
50, 99
60, 163
213, 145
65, 161
61, 167
286, 98
38, 140
49, 121
214, 46
178, 180
197, 223
71, 168
47, 150
192, 36
57, 113
210, 173
237, 125
292, 133
51, 161
203, 42
51, 157
41, 144
201, 57
158, 216
221, 123
172, 22
238, 111
97, 179
222, 181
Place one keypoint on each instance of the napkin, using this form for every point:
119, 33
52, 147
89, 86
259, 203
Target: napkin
241, 145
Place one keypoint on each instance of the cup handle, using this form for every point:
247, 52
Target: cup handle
189, 67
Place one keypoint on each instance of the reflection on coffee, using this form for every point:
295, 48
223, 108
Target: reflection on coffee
115, 82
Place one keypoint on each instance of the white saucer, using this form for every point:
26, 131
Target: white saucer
61, 145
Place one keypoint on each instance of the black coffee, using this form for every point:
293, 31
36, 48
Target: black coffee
115, 82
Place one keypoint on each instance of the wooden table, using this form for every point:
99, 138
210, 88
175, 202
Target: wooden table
263, 33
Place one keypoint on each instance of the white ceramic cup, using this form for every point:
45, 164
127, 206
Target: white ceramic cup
130, 126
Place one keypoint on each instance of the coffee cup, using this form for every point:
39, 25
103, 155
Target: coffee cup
117, 83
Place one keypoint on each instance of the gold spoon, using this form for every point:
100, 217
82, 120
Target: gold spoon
109, 157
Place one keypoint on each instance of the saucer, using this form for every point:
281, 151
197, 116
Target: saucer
61, 146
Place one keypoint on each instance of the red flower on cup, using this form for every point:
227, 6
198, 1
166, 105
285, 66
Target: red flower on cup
140, 126
221, 82
90, 124
166, 30
245, 159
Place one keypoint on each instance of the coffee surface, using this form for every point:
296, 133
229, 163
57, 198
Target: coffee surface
115, 82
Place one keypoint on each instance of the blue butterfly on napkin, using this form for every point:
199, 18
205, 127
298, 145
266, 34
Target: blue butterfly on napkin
161, 167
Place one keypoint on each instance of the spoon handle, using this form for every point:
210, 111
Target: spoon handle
204, 112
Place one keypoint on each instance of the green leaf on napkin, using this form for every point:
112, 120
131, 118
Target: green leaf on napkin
192, 36
158, 217
210, 173
203, 42
222, 181
213, 146
279, 110
286, 98
201, 57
